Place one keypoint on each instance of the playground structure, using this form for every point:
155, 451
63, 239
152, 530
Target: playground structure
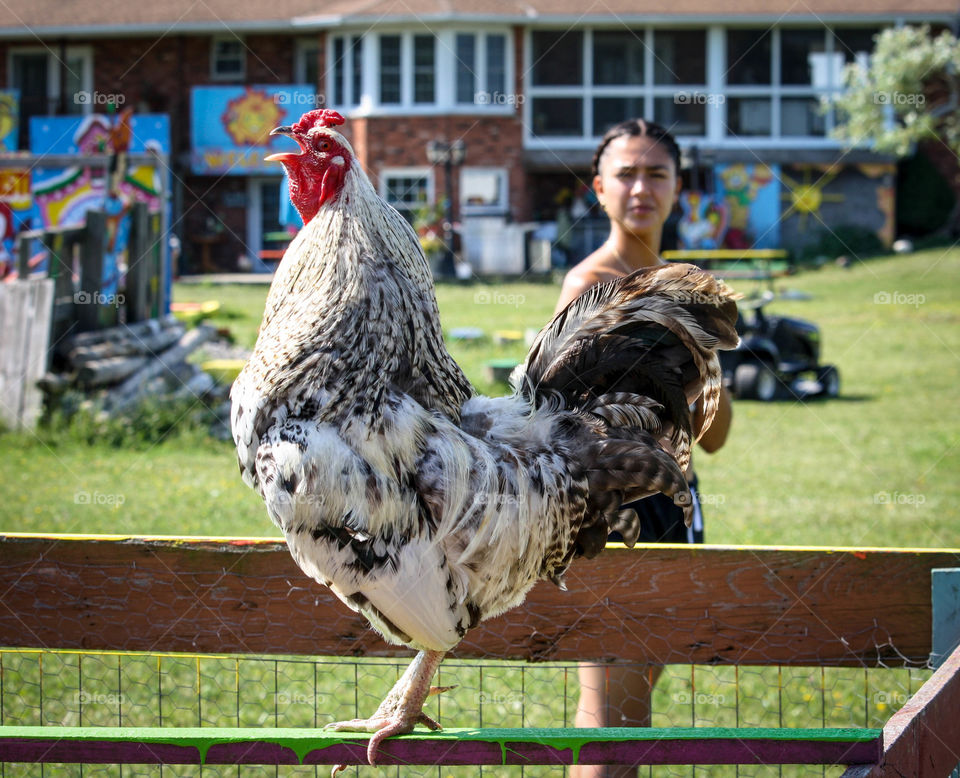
170, 647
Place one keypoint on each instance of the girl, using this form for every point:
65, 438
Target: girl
636, 177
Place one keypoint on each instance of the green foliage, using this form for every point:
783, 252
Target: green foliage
149, 423
913, 79
924, 199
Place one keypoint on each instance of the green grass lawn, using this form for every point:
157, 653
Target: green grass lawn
874, 467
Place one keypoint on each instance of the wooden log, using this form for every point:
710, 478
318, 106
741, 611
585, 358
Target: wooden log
528, 746
122, 333
668, 604
129, 391
145, 344
196, 386
103, 372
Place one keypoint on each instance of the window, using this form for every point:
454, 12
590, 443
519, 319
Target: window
748, 57
496, 64
854, 44
390, 70
557, 116
339, 57
481, 68
401, 70
466, 68
356, 69
803, 57
424, 68
483, 190
407, 188
228, 59
557, 57
608, 111
679, 57
36, 74
307, 65
618, 57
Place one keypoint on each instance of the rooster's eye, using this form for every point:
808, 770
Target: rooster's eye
325, 145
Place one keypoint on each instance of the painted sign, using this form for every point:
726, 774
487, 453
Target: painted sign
230, 126
9, 119
62, 196
751, 194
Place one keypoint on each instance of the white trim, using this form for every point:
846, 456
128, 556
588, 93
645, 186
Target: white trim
302, 46
228, 77
445, 102
498, 209
407, 172
53, 69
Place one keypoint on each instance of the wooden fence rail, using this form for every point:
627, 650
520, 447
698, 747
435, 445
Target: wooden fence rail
673, 604
683, 604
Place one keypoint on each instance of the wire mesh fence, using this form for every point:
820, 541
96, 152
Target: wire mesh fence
95, 689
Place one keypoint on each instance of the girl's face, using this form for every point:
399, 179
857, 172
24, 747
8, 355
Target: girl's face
637, 184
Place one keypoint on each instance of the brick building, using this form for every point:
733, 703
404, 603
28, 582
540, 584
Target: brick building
528, 86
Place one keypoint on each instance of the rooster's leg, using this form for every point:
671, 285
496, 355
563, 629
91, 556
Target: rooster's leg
402, 709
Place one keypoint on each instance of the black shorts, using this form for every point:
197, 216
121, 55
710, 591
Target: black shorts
661, 521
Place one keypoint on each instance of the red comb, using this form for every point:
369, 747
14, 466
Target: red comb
320, 117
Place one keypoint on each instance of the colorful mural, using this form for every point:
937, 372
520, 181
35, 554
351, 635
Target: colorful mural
9, 119
751, 194
63, 196
704, 221
807, 196
230, 126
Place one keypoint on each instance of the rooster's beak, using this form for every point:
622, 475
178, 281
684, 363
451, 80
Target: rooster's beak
284, 156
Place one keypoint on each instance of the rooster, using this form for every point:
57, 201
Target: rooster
422, 506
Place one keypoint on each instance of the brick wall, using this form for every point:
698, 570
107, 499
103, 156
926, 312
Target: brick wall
402, 141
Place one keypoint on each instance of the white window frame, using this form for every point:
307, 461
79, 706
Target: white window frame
368, 103
53, 72
715, 133
425, 171
303, 48
502, 207
216, 76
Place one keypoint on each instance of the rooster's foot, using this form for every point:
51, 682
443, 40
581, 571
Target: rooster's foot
402, 709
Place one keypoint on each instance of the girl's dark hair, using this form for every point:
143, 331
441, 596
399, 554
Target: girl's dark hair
639, 127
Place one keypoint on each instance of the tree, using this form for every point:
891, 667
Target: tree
908, 93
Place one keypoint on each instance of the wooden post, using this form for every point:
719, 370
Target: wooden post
23, 257
140, 265
945, 585
24, 349
92, 311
